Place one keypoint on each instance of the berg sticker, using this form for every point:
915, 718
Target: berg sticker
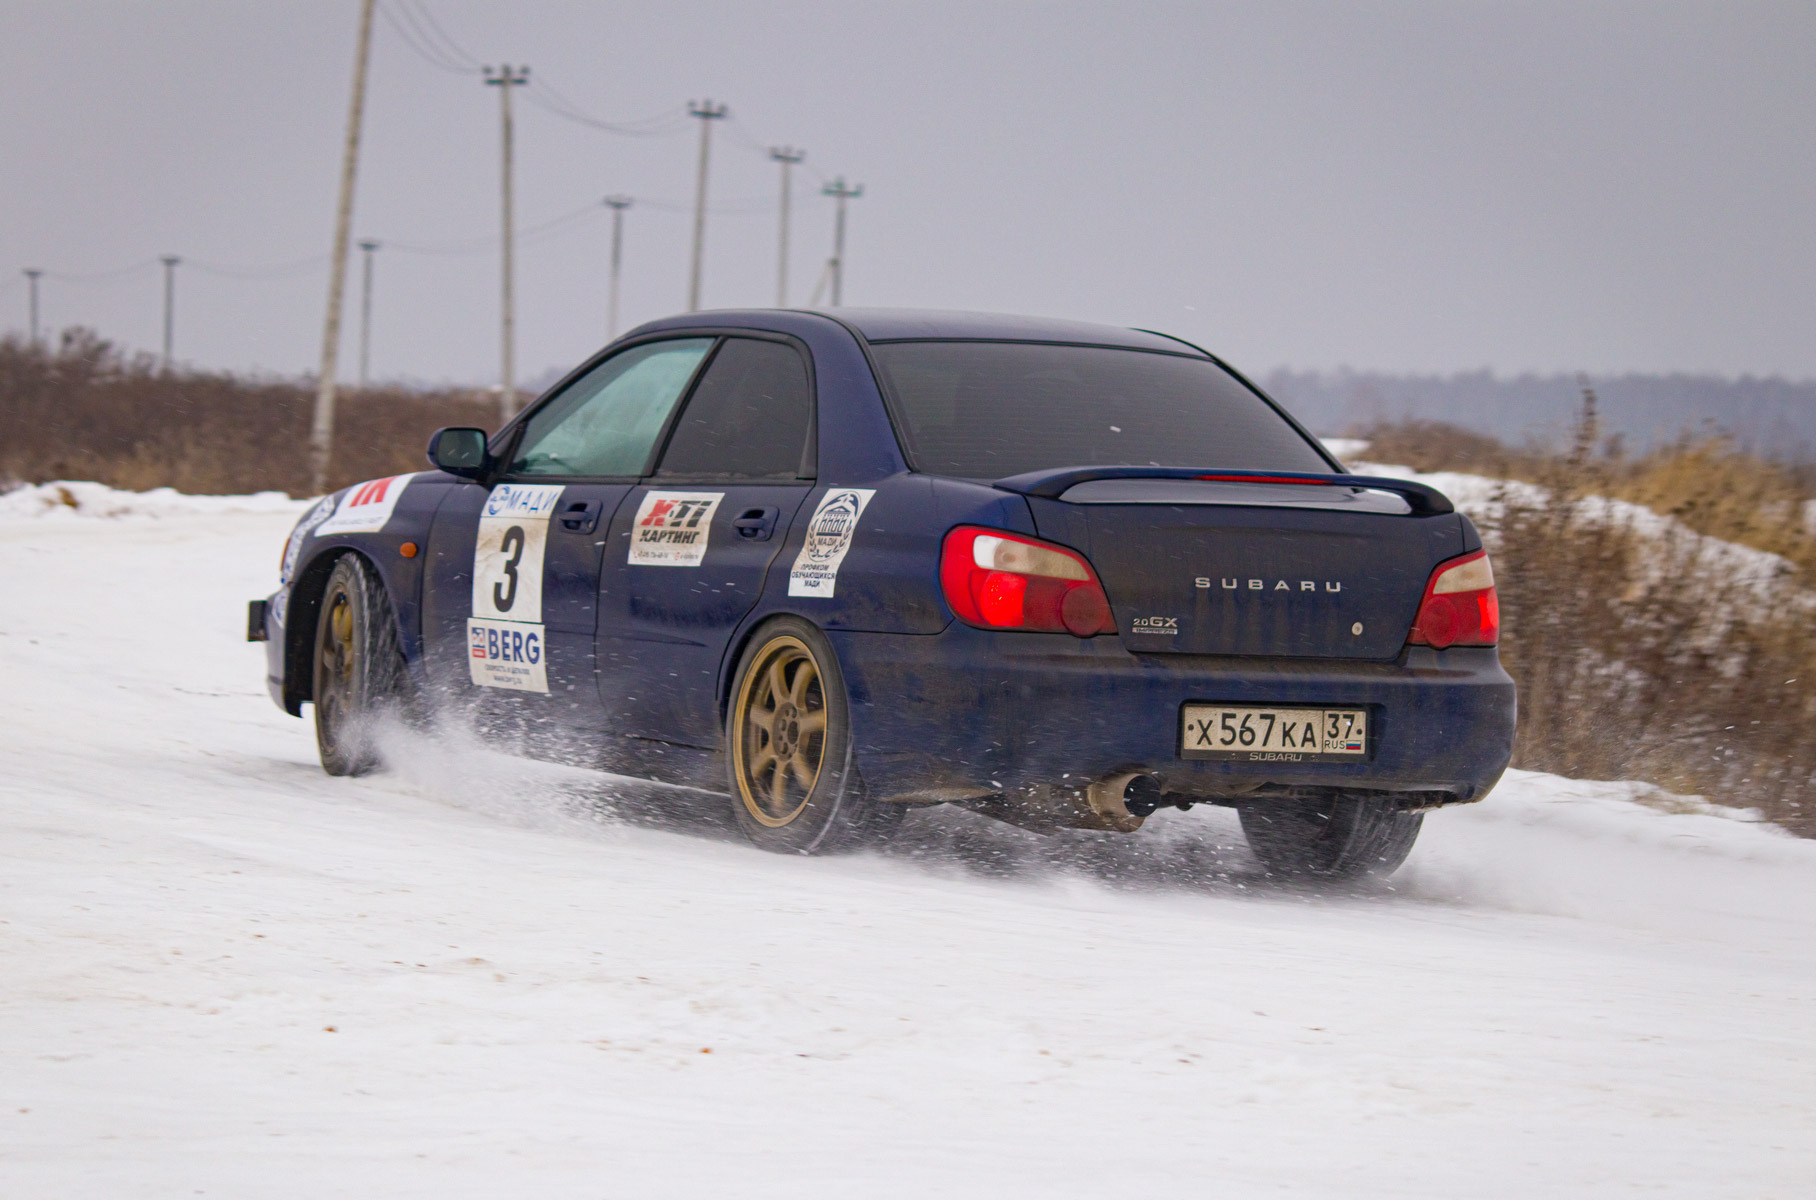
672, 528
365, 507
508, 551
829, 532
507, 654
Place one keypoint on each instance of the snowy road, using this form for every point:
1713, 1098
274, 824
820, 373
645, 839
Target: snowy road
223, 973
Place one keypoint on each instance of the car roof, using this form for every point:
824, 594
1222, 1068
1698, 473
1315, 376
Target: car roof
892, 324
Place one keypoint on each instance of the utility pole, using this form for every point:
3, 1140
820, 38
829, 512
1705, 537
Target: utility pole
33, 274
838, 191
321, 428
708, 112
617, 204
504, 81
170, 262
788, 156
365, 314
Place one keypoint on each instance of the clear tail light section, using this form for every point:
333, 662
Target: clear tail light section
999, 580
1459, 607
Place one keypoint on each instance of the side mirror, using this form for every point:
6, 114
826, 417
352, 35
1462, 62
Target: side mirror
460, 451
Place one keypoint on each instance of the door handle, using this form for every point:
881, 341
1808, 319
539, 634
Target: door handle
757, 524
582, 516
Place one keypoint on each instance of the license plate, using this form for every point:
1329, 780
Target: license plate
1273, 734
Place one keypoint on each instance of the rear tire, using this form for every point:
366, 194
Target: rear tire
1334, 836
788, 749
359, 676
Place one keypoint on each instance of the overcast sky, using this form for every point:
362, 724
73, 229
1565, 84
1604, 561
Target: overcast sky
1429, 187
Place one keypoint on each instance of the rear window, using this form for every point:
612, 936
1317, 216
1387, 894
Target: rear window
987, 410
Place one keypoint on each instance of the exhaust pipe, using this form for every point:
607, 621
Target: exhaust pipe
1124, 800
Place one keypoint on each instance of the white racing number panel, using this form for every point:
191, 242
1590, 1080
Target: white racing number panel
1256, 734
672, 528
505, 640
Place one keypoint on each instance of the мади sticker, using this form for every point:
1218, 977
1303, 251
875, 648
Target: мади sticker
829, 532
672, 528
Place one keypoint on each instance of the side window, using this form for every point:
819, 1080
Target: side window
607, 421
748, 417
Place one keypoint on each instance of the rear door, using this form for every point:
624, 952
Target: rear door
690, 547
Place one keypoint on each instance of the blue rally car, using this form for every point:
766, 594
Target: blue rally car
836, 564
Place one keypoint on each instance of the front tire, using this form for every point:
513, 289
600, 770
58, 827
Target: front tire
359, 671
788, 748
1333, 836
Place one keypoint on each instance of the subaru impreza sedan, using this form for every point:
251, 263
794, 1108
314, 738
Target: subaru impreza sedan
838, 564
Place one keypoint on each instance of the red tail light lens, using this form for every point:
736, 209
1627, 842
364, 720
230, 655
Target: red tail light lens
998, 580
1460, 607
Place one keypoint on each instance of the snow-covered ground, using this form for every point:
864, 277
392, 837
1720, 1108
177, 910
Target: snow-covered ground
223, 973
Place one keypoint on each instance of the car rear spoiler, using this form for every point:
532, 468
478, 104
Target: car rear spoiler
1425, 501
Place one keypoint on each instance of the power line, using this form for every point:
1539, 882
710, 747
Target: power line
272, 271
547, 98
473, 245
421, 45
118, 273
428, 21
425, 37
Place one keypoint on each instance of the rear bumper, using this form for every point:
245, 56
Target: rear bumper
973, 711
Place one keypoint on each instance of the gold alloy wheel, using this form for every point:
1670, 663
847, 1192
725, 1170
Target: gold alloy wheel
334, 683
780, 730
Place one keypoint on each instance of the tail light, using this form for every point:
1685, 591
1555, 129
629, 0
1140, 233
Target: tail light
998, 580
1459, 607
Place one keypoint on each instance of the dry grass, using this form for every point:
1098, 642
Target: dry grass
1641, 657
83, 410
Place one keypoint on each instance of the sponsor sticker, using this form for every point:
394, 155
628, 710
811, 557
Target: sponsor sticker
365, 507
506, 644
507, 654
829, 532
671, 528
507, 554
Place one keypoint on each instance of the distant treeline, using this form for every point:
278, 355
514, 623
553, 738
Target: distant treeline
1772, 417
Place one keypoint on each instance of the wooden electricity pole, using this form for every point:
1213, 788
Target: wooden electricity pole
504, 80
788, 156
321, 429
708, 113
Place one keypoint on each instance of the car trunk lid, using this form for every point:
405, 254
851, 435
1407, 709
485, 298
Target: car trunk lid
1230, 563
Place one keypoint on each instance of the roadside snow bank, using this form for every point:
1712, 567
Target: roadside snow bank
1483, 497
73, 498
1618, 853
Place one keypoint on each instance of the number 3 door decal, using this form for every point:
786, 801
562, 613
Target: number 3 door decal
505, 639
512, 547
